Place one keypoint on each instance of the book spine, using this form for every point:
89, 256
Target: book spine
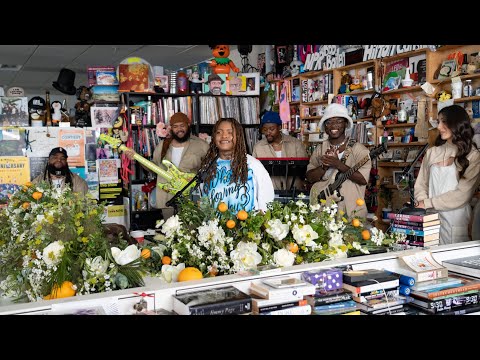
230, 308
453, 302
417, 233
405, 217
379, 294
330, 299
372, 287
296, 310
281, 306
455, 290
467, 310
339, 305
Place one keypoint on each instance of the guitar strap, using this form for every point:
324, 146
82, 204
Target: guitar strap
346, 154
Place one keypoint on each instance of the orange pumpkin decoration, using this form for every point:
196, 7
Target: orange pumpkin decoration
221, 64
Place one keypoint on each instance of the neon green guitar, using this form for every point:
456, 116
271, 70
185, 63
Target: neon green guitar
176, 179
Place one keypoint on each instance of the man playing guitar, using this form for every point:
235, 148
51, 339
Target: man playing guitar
338, 155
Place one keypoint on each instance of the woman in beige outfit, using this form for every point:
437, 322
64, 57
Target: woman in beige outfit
449, 175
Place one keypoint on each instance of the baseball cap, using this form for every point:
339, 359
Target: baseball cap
336, 110
58, 150
36, 103
271, 117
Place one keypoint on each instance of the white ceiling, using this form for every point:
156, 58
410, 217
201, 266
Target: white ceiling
41, 64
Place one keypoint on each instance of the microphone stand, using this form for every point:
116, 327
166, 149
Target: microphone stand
409, 208
199, 176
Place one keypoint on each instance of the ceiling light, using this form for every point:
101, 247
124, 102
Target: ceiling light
8, 67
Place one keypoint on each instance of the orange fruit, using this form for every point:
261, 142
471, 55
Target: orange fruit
28, 184
231, 224
26, 205
360, 202
190, 273
356, 222
145, 253
292, 247
37, 195
222, 207
65, 290
166, 260
242, 215
365, 234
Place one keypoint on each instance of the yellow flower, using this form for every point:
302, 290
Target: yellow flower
84, 239
38, 242
341, 212
344, 220
50, 219
80, 230
77, 223
38, 228
323, 201
343, 248
79, 216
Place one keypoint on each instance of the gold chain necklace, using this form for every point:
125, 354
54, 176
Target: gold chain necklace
336, 147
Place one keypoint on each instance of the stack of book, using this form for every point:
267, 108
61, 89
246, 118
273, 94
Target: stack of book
281, 296
336, 302
421, 230
375, 292
453, 295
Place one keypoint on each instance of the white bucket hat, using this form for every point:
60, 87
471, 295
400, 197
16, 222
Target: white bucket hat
336, 110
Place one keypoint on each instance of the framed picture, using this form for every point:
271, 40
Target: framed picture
252, 81
397, 177
281, 54
162, 82
103, 116
412, 154
447, 69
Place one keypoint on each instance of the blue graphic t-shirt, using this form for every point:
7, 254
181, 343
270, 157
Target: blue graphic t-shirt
236, 196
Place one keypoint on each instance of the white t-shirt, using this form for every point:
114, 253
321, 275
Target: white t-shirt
177, 155
278, 153
57, 183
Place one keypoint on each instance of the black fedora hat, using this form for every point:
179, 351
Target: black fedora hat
65, 82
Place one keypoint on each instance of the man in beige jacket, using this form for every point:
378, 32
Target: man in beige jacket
185, 151
338, 154
276, 144
57, 173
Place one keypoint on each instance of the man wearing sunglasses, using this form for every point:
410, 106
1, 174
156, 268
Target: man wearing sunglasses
336, 156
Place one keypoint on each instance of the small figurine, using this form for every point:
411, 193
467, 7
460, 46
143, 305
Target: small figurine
221, 64
196, 82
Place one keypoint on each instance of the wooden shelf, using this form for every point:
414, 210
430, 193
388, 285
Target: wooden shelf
359, 92
397, 125
393, 164
364, 64
318, 102
294, 102
404, 55
403, 89
406, 144
463, 99
311, 118
312, 74
462, 77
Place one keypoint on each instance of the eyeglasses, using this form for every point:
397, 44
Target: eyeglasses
332, 122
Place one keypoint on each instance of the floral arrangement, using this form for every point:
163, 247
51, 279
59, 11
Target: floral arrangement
52, 244
217, 241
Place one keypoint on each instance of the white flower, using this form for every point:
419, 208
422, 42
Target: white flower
97, 266
159, 249
245, 256
52, 253
283, 257
277, 230
171, 226
170, 272
304, 235
123, 257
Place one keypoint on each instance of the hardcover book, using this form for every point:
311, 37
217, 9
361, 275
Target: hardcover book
219, 301
454, 302
422, 266
268, 292
415, 218
466, 285
467, 265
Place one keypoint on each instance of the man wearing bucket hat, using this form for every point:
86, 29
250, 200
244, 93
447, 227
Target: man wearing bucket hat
277, 144
184, 150
215, 83
337, 155
57, 173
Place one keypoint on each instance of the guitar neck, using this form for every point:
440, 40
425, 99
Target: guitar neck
346, 175
148, 164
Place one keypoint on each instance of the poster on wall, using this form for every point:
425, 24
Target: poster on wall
73, 140
37, 166
14, 171
42, 140
12, 142
14, 111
